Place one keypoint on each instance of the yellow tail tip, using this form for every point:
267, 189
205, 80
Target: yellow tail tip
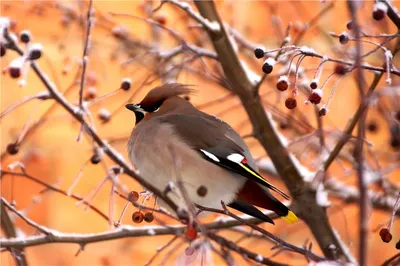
290, 217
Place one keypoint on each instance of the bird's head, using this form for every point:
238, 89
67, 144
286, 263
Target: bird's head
161, 100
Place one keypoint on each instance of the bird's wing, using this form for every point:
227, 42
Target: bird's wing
208, 137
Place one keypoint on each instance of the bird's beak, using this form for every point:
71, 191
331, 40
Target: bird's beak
139, 111
134, 107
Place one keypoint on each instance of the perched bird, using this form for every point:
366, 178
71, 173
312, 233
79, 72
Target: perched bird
215, 163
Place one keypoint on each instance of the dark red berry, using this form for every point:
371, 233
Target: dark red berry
315, 97
202, 191
148, 217
282, 85
35, 54
126, 84
133, 196
290, 103
395, 143
3, 50
340, 69
259, 53
397, 116
116, 170
313, 85
372, 126
267, 68
137, 217
398, 245
15, 72
25, 36
386, 236
350, 25
160, 19
344, 38
322, 112
95, 159
12, 148
187, 98
191, 233
378, 14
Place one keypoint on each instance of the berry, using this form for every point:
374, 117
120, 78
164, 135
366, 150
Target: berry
380, 10
386, 236
313, 84
259, 53
160, 19
3, 50
191, 233
398, 245
315, 97
25, 36
202, 191
95, 159
395, 143
148, 217
340, 69
126, 84
35, 54
15, 72
12, 148
350, 25
133, 196
372, 126
116, 170
189, 251
322, 112
90, 94
290, 103
397, 116
344, 38
104, 115
187, 98
283, 83
268, 66
137, 217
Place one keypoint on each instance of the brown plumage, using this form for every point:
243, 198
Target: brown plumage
211, 154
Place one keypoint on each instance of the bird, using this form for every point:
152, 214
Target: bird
215, 164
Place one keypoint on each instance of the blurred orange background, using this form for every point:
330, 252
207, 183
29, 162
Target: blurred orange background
53, 155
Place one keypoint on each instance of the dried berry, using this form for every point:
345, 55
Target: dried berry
91, 93
395, 143
189, 251
291, 103
116, 169
386, 236
126, 84
133, 196
268, 66
191, 233
350, 25
25, 36
259, 53
314, 84
315, 97
344, 38
380, 10
95, 159
148, 217
202, 191
160, 19
398, 245
15, 72
322, 112
137, 217
187, 98
283, 83
3, 50
372, 126
104, 115
397, 116
12, 148
340, 69
35, 54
